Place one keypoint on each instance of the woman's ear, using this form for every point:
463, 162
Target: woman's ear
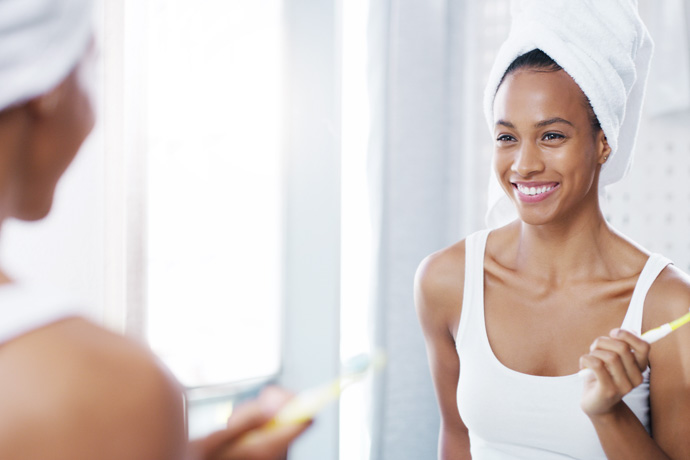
603, 147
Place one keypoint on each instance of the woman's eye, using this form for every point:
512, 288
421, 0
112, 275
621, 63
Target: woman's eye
553, 136
505, 138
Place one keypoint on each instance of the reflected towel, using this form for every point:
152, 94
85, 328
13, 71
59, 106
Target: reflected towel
604, 46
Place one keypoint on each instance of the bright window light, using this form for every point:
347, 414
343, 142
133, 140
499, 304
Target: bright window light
356, 240
214, 203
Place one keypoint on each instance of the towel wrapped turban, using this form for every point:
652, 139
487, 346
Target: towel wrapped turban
606, 49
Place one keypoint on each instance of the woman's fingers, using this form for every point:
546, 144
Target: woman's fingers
246, 435
613, 365
618, 353
598, 367
600, 392
265, 443
247, 417
617, 362
637, 344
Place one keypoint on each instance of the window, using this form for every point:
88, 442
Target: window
214, 188
227, 116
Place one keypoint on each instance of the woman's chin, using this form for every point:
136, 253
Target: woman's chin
34, 211
530, 217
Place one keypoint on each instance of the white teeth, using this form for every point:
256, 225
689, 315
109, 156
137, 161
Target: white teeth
531, 191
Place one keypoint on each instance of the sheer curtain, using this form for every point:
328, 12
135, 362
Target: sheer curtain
417, 178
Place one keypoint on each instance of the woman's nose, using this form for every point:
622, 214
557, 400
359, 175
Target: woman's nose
527, 160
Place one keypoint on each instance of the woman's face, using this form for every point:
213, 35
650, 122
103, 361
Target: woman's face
546, 156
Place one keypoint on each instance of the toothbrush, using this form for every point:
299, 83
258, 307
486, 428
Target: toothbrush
652, 336
307, 404
660, 332
303, 407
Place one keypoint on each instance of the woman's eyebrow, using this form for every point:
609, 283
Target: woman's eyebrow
541, 124
551, 121
507, 124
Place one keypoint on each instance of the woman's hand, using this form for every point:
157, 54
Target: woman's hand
246, 436
617, 362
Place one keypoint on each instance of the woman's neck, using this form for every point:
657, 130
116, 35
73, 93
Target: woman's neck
565, 249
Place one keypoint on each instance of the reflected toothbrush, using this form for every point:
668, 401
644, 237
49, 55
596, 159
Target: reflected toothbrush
660, 332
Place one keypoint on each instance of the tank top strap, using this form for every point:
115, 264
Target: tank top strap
473, 294
654, 266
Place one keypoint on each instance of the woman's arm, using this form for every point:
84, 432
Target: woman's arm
618, 362
438, 299
670, 363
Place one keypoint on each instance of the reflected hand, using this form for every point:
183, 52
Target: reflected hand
617, 362
246, 436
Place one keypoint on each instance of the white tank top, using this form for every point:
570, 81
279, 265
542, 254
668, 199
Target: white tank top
511, 415
26, 308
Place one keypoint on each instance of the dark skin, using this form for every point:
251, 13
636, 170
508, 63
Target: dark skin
563, 274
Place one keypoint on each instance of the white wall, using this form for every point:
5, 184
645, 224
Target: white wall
65, 250
650, 204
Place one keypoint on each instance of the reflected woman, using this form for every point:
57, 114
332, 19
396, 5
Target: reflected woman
510, 315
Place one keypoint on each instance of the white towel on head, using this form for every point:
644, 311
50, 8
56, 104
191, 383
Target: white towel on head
40, 43
604, 46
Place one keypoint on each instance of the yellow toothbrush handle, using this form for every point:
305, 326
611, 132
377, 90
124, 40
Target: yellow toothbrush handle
306, 405
680, 321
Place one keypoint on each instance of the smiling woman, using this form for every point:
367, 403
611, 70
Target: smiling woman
554, 288
546, 148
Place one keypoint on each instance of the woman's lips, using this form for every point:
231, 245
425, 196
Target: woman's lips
532, 192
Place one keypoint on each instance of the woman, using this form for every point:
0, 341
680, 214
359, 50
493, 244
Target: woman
70, 389
527, 305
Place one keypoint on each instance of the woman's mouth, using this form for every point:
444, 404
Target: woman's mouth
533, 192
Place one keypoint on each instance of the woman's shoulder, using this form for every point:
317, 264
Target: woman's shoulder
78, 388
669, 359
439, 286
668, 297
442, 268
